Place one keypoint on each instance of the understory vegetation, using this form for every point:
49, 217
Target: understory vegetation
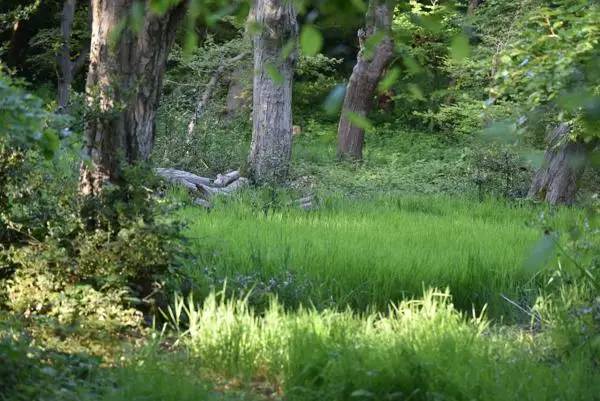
427, 269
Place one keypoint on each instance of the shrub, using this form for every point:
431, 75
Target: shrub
500, 172
72, 274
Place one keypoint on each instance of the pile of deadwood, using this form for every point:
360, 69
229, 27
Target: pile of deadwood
204, 189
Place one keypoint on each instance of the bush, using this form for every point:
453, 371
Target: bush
28, 372
79, 276
54, 262
499, 171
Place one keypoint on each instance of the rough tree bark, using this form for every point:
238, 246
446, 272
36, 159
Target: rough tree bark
123, 87
557, 181
271, 147
364, 78
67, 68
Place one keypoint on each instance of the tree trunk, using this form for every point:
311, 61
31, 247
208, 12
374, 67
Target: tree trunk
473, 4
123, 87
364, 79
12, 58
67, 68
557, 181
271, 147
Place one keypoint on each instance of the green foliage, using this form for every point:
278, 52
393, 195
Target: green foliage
314, 79
31, 372
216, 147
553, 61
25, 121
92, 279
500, 171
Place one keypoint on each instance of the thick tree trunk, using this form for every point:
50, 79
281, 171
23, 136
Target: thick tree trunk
557, 181
123, 88
366, 74
271, 147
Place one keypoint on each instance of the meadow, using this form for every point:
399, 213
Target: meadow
367, 253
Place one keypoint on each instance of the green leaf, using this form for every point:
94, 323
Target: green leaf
288, 48
359, 5
432, 22
389, 79
411, 65
191, 41
335, 99
254, 27
137, 16
416, 91
311, 40
160, 6
360, 393
372, 42
459, 47
506, 59
50, 143
218, 15
540, 253
358, 121
115, 34
274, 73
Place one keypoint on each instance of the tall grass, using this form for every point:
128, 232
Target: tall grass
417, 350
367, 253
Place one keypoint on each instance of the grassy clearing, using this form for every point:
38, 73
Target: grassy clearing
369, 253
418, 350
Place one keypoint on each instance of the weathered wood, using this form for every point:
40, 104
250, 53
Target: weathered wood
223, 180
201, 185
234, 186
202, 202
67, 69
174, 174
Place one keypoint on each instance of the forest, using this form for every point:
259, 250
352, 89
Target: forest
300, 200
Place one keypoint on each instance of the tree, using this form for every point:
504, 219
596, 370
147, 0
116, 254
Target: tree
557, 181
67, 68
271, 146
553, 66
123, 86
370, 65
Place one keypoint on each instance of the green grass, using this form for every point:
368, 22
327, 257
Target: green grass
418, 350
367, 253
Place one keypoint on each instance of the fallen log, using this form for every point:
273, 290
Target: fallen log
223, 180
223, 185
172, 174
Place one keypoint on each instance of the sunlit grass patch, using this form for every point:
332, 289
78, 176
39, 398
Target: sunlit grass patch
423, 349
366, 253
